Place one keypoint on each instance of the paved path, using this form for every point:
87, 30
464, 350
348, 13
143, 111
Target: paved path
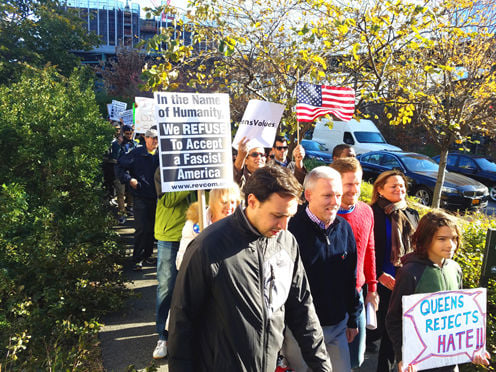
128, 337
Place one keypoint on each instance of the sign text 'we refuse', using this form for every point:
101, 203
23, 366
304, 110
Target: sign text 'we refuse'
194, 140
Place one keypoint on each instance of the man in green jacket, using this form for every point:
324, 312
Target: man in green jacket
170, 218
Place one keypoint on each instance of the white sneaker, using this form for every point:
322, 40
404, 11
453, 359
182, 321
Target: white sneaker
161, 350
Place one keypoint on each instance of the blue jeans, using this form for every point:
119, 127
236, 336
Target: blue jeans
357, 347
166, 276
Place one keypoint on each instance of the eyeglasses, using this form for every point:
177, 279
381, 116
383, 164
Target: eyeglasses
257, 154
281, 148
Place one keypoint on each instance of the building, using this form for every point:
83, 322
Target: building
117, 24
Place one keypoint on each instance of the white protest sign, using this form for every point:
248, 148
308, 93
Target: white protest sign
109, 110
117, 108
127, 117
260, 122
194, 141
443, 328
143, 116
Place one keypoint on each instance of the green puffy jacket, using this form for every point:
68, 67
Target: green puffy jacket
418, 275
170, 215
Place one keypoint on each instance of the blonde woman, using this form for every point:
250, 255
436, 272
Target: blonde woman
222, 203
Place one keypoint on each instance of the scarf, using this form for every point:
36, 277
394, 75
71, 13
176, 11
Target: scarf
401, 229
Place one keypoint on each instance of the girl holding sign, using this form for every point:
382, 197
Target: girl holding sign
429, 268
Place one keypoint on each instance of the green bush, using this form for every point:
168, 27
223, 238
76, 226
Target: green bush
312, 163
59, 261
470, 256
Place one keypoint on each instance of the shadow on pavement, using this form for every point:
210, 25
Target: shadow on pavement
128, 336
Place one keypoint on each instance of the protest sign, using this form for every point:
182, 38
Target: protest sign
260, 122
194, 141
109, 110
144, 118
127, 117
117, 108
443, 328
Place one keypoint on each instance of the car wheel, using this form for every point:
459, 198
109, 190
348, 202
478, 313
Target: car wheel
492, 193
424, 195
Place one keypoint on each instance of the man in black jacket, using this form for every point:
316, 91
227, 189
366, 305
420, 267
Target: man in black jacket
137, 169
240, 279
328, 252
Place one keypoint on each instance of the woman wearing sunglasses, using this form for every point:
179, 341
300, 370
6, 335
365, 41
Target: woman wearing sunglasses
251, 156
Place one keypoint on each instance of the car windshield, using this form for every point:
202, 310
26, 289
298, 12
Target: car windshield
419, 163
486, 164
312, 146
369, 137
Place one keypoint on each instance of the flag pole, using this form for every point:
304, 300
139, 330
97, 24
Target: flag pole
297, 122
202, 206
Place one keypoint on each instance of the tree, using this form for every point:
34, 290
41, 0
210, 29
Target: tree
122, 74
362, 42
39, 32
429, 64
252, 50
449, 83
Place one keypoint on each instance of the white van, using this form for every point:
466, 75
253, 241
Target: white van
362, 135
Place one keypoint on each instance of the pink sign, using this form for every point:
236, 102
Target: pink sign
443, 328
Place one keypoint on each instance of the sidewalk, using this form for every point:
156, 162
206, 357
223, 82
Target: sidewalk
128, 337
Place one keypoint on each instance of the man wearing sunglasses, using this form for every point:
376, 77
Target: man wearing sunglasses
251, 156
280, 151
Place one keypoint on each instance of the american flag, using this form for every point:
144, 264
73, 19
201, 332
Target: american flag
313, 101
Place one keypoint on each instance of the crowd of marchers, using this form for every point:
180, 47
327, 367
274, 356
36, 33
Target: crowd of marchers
280, 277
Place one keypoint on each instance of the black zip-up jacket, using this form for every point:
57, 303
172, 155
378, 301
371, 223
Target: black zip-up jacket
330, 259
232, 295
139, 164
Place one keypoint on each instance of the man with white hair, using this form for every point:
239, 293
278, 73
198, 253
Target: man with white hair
328, 252
251, 156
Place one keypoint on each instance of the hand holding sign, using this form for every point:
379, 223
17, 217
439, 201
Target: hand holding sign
299, 155
481, 358
243, 147
408, 368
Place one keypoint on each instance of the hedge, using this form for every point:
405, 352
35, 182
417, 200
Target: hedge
59, 260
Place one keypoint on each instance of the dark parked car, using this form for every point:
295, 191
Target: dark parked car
459, 192
476, 167
314, 150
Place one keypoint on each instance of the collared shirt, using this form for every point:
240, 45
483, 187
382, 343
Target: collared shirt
346, 211
315, 219
281, 163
